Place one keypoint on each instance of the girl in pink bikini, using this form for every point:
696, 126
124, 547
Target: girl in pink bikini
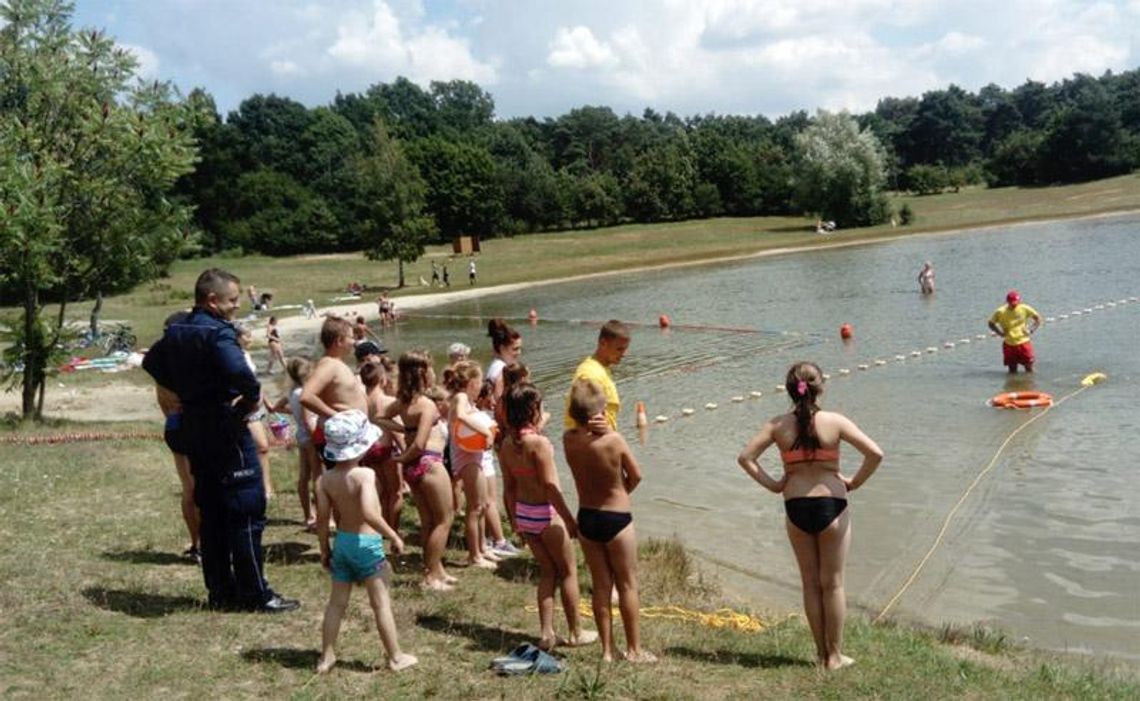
815, 499
422, 461
538, 511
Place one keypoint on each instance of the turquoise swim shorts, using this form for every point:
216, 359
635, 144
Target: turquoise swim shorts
356, 556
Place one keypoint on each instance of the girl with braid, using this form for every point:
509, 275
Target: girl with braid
815, 499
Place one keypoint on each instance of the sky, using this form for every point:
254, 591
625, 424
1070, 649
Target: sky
543, 58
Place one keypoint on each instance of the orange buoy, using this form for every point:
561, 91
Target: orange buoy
1021, 400
663, 321
846, 331
642, 419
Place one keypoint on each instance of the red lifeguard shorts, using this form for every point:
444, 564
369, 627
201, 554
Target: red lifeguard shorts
1017, 355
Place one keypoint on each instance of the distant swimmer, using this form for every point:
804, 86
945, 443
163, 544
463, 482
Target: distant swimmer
1012, 321
926, 278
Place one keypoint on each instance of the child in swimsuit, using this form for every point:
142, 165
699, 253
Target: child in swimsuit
470, 435
276, 350
492, 521
422, 461
375, 376
537, 510
605, 472
349, 492
254, 422
815, 499
310, 466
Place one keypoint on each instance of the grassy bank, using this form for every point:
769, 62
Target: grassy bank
551, 256
97, 604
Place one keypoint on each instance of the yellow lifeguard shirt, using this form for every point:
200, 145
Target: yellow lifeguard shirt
591, 369
1013, 322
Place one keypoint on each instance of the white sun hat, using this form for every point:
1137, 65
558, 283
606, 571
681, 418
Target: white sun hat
348, 435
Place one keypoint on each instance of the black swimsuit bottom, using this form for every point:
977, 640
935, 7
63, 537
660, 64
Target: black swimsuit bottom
602, 526
813, 514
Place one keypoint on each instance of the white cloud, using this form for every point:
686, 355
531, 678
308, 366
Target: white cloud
285, 68
687, 56
148, 61
381, 43
577, 48
954, 43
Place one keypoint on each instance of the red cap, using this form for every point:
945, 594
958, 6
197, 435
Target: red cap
1013, 297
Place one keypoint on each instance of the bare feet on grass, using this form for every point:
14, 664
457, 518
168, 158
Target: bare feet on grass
483, 562
325, 663
837, 662
639, 656
402, 661
436, 585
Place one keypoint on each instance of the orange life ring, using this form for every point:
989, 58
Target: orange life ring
1021, 400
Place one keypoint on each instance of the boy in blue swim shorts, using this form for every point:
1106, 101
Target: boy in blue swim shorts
357, 552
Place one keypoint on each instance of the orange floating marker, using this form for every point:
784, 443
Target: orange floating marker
663, 321
846, 331
642, 419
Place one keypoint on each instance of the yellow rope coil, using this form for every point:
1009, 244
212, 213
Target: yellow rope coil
720, 618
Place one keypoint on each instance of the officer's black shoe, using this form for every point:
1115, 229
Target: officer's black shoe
277, 604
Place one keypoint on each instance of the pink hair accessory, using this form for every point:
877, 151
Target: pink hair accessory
801, 388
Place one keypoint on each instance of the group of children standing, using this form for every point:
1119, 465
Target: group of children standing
370, 436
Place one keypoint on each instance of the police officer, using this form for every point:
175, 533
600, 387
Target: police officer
199, 359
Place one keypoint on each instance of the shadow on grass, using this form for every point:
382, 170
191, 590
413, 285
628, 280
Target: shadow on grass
789, 229
519, 569
147, 557
139, 604
285, 522
739, 659
484, 637
290, 553
298, 658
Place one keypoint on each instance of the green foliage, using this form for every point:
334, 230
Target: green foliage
87, 159
927, 179
463, 194
842, 172
391, 202
591, 167
275, 214
906, 215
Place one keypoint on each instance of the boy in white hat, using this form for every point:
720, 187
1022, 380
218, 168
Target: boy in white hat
358, 555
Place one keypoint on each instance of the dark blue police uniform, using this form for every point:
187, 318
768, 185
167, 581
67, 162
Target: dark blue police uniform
199, 359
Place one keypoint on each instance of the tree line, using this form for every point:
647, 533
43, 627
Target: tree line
279, 178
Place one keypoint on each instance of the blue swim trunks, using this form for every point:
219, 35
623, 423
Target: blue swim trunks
356, 556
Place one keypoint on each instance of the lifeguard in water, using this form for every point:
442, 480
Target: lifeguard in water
1015, 322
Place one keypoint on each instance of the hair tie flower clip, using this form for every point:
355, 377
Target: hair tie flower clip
801, 388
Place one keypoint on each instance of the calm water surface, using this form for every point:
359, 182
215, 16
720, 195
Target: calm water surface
1047, 546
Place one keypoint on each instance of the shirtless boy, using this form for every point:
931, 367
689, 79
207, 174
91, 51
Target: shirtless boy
348, 492
332, 387
605, 472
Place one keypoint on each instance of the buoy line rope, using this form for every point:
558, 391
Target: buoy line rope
966, 494
846, 372
53, 439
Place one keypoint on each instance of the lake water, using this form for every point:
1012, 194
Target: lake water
1046, 546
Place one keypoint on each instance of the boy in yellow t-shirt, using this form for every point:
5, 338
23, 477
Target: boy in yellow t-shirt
1015, 323
613, 342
